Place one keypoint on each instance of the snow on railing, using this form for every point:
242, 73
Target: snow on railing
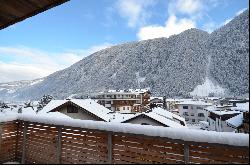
50, 139
229, 138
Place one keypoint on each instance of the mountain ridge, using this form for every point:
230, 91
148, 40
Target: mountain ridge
172, 66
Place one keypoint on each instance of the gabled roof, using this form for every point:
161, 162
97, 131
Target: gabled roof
168, 114
87, 104
13, 11
167, 120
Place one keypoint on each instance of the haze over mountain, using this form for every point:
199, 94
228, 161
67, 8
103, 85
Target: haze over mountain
193, 62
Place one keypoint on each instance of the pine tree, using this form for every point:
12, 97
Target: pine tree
44, 101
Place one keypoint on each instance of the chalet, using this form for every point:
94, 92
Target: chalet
157, 117
124, 101
84, 109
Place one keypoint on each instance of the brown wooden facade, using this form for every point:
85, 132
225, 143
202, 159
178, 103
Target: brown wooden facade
40, 143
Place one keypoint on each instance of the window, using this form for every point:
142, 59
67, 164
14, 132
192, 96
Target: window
186, 119
201, 115
118, 109
145, 124
127, 108
192, 114
193, 120
185, 114
199, 108
182, 123
123, 108
71, 109
185, 107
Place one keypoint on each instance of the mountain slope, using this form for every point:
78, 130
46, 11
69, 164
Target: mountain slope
173, 66
229, 51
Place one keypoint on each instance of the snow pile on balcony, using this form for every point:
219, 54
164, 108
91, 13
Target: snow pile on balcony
234, 139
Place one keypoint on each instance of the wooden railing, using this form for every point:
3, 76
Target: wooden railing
31, 142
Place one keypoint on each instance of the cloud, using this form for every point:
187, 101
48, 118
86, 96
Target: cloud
134, 10
28, 63
189, 7
183, 15
172, 26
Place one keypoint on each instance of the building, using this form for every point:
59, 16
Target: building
124, 101
156, 102
193, 111
245, 125
220, 118
240, 122
156, 117
84, 109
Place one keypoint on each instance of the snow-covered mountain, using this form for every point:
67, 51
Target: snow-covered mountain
193, 62
8, 90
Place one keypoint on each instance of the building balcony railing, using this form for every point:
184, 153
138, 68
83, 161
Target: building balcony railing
48, 141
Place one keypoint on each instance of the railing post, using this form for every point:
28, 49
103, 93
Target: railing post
59, 145
186, 153
110, 147
24, 142
1, 132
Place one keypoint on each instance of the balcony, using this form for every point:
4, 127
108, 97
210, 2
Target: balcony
48, 141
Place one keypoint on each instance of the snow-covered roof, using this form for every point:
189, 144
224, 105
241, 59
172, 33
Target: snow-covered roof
164, 120
236, 121
166, 113
120, 117
213, 98
225, 112
194, 103
87, 104
163, 116
217, 108
244, 107
93, 107
129, 91
151, 98
52, 105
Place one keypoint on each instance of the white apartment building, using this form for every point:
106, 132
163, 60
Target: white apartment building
193, 111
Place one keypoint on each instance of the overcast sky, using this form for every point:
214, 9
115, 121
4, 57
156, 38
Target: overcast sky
59, 37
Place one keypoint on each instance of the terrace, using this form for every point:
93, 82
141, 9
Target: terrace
40, 139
